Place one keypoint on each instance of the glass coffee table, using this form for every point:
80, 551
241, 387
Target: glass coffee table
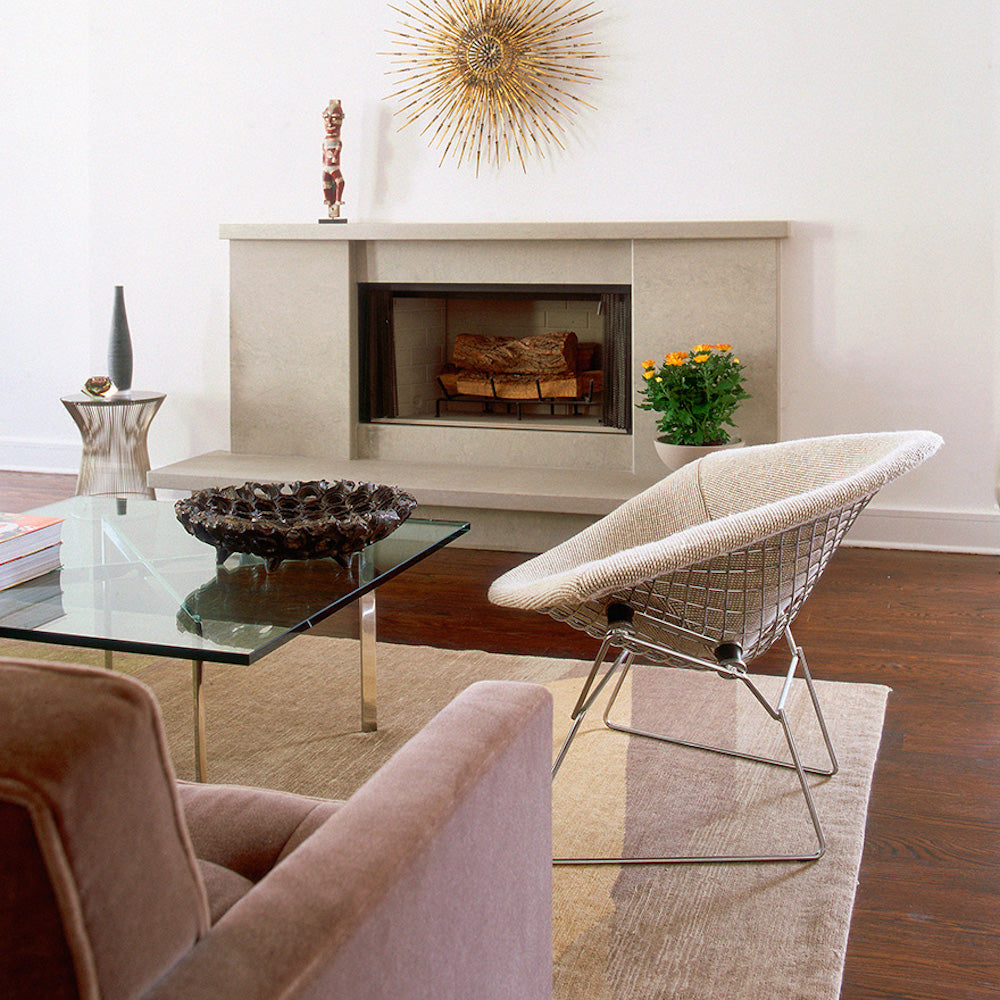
133, 580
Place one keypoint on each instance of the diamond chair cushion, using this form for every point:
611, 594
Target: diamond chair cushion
709, 508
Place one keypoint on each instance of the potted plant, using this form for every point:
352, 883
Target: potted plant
696, 393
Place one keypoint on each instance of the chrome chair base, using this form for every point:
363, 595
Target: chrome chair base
735, 669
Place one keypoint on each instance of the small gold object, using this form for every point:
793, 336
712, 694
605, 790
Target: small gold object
97, 385
492, 74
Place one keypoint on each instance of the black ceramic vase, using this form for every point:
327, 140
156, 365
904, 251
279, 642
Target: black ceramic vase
120, 344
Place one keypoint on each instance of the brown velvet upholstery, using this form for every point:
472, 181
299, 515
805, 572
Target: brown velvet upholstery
433, 880
82, 757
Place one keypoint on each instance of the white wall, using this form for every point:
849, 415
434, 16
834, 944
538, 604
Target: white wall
45, 327
871, 124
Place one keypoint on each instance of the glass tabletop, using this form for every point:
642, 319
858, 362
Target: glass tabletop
133, 580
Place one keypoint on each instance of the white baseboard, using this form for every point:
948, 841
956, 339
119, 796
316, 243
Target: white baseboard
40, 456
932, 530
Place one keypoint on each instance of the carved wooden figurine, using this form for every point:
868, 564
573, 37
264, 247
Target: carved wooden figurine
333, 179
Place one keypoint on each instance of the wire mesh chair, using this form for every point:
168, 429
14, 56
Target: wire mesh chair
707, 569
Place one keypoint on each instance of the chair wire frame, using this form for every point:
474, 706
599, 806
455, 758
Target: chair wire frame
716, 615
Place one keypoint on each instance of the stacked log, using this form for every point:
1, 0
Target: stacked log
545, 366
523, 387
543, 354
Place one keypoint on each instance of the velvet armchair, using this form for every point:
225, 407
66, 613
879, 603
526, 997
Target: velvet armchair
118, 882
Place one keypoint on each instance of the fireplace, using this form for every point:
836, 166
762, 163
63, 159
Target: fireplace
542, 356
295, 352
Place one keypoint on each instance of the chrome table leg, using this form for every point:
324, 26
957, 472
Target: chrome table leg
366, 623
200, 766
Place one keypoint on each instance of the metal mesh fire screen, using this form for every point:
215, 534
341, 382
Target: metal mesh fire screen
380, 382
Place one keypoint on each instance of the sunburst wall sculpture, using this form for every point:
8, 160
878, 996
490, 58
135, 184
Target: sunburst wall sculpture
493, 79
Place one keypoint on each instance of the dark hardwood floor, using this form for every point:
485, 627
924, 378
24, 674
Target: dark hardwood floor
927, 916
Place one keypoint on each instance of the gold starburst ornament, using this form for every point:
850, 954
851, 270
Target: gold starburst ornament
492, 79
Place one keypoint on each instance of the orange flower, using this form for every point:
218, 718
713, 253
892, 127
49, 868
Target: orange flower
701, 348
649, 364
701, 357
648, 373
723, 347
675, 360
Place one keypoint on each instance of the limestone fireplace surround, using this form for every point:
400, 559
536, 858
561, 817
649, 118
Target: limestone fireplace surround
294, 352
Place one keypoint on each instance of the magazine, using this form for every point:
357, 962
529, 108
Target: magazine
24, 533
27, 567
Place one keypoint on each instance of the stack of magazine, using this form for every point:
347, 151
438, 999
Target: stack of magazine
29, 547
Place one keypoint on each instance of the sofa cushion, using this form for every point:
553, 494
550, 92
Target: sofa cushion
224, 887
240, 833
249, 830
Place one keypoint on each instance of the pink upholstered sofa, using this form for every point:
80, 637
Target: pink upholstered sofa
117, 882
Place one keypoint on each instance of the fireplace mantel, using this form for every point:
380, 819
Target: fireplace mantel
294, 357
368, 231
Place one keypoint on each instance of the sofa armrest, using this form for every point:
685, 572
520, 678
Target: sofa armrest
433, 880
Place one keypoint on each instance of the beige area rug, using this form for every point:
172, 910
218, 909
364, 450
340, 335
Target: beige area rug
723, 932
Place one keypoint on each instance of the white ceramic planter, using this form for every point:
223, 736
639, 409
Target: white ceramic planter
673, 456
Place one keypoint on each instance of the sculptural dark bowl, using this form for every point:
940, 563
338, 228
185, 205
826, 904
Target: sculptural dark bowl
302, 520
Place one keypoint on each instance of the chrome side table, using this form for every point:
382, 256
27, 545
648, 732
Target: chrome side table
115, 456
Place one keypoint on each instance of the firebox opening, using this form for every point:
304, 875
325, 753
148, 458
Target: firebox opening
529, 355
